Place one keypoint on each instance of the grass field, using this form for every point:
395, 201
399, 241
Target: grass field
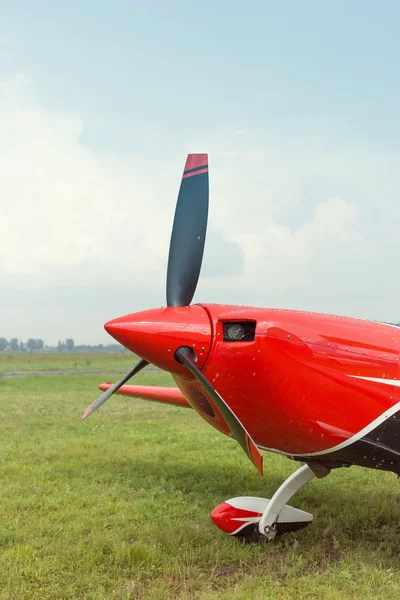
117, 506
103, 363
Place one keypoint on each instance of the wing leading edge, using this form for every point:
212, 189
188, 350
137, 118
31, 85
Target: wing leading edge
166, 395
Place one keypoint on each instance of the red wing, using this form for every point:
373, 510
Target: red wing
167, 395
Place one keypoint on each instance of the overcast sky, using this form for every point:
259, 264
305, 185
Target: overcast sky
297, 105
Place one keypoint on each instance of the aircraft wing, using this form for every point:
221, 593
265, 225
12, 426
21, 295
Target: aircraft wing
166, 395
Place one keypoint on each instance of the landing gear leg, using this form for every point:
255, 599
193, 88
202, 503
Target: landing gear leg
268, 523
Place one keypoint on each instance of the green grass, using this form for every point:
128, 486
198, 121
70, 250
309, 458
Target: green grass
25, 361
117, 507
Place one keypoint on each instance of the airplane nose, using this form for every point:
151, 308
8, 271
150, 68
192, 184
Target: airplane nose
156, 334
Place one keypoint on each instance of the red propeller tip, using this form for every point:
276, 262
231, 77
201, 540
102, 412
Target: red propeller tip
86, 413
194, 161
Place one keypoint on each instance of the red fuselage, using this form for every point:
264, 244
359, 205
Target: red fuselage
306, 384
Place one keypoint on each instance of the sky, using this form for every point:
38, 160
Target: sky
296, 104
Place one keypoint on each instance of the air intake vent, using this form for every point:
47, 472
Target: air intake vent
198, 399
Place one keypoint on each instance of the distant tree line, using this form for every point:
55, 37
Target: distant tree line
66, 346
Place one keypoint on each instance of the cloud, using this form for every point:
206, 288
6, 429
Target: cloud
63, 205
290, 225
69, 211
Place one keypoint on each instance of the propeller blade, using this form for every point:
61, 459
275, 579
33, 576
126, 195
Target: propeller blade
188, 232
185, 356
106, 395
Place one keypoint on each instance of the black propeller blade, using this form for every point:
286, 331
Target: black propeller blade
106, 395
188, 232
186, 356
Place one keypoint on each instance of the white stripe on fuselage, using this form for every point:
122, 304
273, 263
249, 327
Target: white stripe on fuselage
394, 382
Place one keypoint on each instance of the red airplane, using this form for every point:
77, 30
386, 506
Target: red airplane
322, 390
